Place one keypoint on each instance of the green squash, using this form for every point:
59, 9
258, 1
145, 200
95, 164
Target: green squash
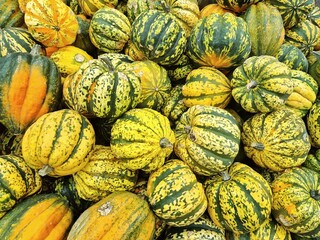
10, 143
313, 160
237, 6
313, 124
11, 15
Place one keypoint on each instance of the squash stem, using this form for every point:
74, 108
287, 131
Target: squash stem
164, 143
225, 175
252, 84
36, 50
315, 194
258, 146
45, 170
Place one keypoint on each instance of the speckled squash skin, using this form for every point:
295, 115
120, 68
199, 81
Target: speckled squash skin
51, 22
102, 175
180, 69
203, 228
261, 84
265, 28
89, 7
293, 12
142, 139
304, 35
207, 139
58, 143
305, 90
14, 39
42, 216
17, 181
175, 195
206, 86
269, 230
293, 57
314, 65
220, 48
276, 140
11, 15
10, 143
158, 36
240, 200
296, 201
30, 86
314, 16
155, 84
313, 160
174, 107
109, 29
101, 89
102, 221
313, 117
135, 7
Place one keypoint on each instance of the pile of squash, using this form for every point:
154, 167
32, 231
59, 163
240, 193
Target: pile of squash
158, 119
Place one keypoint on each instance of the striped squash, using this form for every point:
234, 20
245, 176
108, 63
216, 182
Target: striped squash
10, 143
293, 57
43, 216
220, 48
314, 65
58, 143
17, 181
293, 11
261, 84
313, 160
121, 215
48, 27
304, 35
155, 84
174, 107
180, 69
305, 90
265, 28
30, 86
89, 7
240, 200
296, 201
269, 230
131, 50
276, 140
11, 15
109, 29
101, 89
203, 228
206, 86
158, 36
142, 139
102, 175
207, 139
175, 195
14, 39
135, 7
313, 124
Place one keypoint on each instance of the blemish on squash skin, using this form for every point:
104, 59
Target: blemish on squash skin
105, 209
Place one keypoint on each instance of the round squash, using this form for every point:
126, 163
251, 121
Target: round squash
142, 139
175, 195
30, 86
11, 15
276, 140
206, 86
180, 69
102, 175
42, 216
89, 7
215, 41
313, 124
261, 84
58, 143
296, 201
213, 8
121, 215
313, 160
240, 200
51, 22
207, 139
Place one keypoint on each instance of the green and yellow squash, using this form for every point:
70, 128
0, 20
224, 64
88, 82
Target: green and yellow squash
239, 200
109, 29
265, 28
30, 86
296, 201
313, 160
207, 139
261, 84
314, 66
175, 195
238, 6
89, 7
180, 69
206, 86
102, 175
220, 47
11, 15
121, 215
293, 57
313, 121
276, 140
42, 216
158, 36
155, 84
17, 181
213, 8
10, 143
142, 139
58, 143
15, 39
